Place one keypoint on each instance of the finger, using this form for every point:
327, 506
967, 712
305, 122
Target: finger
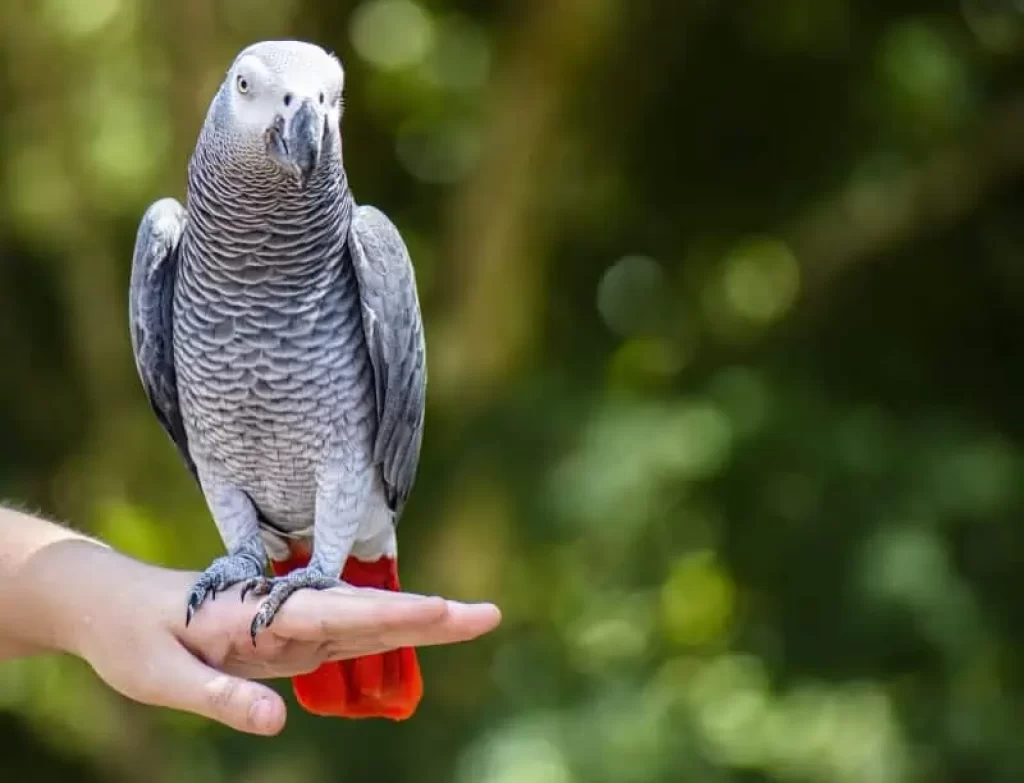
460, 623
329, 614
185, 683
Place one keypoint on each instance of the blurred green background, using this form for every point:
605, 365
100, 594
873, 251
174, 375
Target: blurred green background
724, 319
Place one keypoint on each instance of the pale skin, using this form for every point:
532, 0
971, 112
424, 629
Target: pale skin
62, 592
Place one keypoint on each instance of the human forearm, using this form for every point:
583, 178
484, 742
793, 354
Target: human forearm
34, 583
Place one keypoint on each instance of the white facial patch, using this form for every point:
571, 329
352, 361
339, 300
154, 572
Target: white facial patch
272, 79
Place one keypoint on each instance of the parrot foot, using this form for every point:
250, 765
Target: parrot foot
279, 589
222, 573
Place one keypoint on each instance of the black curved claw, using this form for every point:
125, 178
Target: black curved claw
222, 573
195, 598
259, 585
279, 589
256, 626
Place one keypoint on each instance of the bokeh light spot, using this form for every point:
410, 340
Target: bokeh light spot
460, 59
81, 18
698, 600
926, 77
524, 751
129, 142
761, 279
613, 629
647, 361
997, 24
392, 34
695, 441
631, 295
438, 154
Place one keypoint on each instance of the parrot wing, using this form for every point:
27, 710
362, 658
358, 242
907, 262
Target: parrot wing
154, 266
394, 337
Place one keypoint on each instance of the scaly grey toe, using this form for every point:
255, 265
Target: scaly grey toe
279, 588
222, 573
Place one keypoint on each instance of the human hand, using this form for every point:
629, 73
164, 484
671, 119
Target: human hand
127, 619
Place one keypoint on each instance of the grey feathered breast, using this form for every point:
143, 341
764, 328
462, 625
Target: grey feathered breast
391, 320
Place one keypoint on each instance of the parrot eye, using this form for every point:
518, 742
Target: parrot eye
243, 84
321, 99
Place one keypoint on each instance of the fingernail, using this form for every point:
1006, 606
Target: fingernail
259, 715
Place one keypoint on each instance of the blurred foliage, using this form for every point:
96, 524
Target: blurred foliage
725, 318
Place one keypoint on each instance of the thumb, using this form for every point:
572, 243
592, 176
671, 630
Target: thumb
186, 683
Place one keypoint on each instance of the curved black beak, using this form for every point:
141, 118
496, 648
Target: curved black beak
296, 144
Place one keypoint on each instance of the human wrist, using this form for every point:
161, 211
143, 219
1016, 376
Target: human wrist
80, 597
57, 590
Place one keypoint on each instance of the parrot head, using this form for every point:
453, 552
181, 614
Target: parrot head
281, 100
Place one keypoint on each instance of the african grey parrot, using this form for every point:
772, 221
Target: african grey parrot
277, 332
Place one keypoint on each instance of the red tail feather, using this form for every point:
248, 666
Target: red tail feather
386, 685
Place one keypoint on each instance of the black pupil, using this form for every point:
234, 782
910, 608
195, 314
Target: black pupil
287, 100
321, 97
243, 84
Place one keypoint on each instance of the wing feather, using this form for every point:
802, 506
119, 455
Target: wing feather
154, 267
394, 335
